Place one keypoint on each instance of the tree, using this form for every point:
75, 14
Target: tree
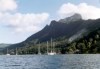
82, 47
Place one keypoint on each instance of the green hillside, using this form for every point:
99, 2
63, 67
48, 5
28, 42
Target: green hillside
70, 35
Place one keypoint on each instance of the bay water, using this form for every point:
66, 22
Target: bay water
69, 61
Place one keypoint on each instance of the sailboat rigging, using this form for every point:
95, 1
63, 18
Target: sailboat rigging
39, 53
52, 49
7, 52
16, 52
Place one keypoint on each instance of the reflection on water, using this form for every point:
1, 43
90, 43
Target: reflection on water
50, 62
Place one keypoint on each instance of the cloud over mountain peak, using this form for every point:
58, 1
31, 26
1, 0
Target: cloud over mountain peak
86, 11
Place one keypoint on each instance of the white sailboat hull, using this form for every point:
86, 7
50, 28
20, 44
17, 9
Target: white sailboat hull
8, 54
52, 53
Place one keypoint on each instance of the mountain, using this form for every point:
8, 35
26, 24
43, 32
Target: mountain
3, 46
70, 27
73, 18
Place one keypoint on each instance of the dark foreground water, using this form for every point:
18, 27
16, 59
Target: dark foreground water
50, 62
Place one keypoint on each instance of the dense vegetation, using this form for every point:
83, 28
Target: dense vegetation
59, 46
61, 31
58, 29
86, 44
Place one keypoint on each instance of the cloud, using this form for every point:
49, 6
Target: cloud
8, 5
29, 22
20, 22
87, 11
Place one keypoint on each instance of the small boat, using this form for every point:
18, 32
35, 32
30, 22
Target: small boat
52, 53
7, 52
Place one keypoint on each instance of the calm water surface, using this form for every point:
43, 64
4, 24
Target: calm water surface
50, 62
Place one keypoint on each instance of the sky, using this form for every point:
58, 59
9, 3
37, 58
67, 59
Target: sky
20, 19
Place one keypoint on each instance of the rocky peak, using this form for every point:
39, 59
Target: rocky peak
53, 22
72, 18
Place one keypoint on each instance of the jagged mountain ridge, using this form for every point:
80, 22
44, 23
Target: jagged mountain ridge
73, 18
58, 29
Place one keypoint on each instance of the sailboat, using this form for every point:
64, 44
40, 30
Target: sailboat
7, 52
52, 49
39, 53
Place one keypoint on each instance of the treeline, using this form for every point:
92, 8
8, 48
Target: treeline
59, 46
87, 44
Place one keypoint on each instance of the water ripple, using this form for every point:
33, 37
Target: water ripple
70, 61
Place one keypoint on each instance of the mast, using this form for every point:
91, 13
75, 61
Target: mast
47, 47
51, 44
7, 50
39, 49
16, 51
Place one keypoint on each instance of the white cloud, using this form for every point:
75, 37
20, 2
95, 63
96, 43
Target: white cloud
16, 23
87, 11
8, 5
29, 22
20, 22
